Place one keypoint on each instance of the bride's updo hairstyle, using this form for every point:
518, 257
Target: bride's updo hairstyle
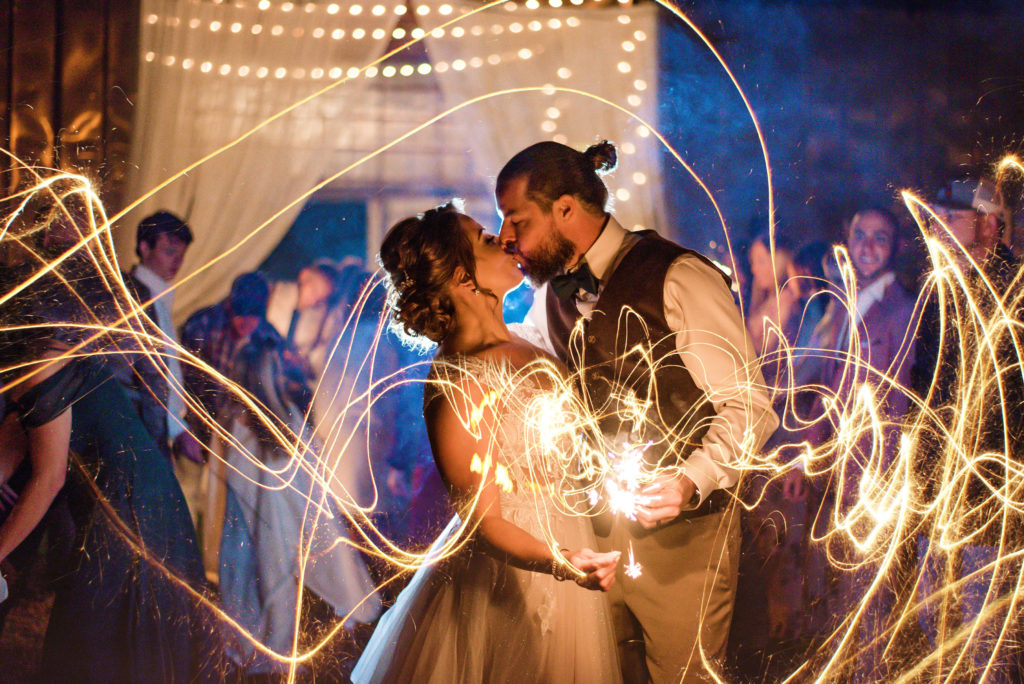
553, 169
420, 255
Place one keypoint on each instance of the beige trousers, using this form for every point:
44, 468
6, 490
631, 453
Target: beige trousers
676, 614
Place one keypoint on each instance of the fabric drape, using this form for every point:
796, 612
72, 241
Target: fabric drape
609, 53
208, 73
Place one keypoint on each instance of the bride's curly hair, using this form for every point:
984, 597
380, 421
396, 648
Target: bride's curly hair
420, 255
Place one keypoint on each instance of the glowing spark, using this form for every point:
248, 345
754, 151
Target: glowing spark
478, 466
633, 569
502, 479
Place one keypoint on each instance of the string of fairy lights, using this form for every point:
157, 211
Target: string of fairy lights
335, 22
398, 33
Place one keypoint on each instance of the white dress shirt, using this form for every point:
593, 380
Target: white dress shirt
164, 300
866, 298
714, 346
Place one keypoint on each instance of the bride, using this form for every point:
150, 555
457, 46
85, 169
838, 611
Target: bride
495, 610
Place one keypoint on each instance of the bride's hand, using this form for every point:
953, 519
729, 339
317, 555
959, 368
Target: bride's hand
600, 568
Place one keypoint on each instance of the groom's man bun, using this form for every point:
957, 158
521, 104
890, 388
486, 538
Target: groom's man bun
552, 170
603, 156
420, 255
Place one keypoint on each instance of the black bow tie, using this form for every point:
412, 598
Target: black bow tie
568, 284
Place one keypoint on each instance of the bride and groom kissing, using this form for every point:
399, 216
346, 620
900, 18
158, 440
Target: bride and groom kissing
495, 611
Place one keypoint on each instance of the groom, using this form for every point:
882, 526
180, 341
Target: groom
638, 291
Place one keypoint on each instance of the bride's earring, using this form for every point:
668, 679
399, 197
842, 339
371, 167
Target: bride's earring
476, 290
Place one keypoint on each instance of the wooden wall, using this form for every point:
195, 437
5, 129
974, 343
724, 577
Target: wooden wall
68, 74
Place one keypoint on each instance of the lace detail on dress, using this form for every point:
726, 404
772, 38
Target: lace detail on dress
521, 405
526, 500
529, 333
511, 624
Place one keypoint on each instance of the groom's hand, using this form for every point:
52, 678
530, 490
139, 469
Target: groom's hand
665, 499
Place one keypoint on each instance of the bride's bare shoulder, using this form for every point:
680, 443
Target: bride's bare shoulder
516, 351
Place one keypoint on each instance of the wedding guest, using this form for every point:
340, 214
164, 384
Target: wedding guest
368, 409
62, 237
64, 229
161, 241
306, 311
781, 585
881, 315
770, 301
805, 276
131, 604
872, 347
281, 533
214, 333
973, 218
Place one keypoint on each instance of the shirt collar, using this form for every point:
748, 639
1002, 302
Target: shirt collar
871, 294
155, 283
602, 253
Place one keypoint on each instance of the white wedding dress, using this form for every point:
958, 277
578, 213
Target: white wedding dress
473, 618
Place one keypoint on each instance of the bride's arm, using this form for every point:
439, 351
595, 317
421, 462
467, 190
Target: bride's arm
454, 447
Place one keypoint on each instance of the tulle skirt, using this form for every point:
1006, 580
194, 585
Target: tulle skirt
473, 618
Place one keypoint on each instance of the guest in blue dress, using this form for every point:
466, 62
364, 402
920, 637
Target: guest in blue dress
131, 604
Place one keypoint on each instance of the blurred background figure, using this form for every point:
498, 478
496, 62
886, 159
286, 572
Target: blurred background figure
306, 311
161, 241
771, 303
270, 518
736, 264
805, 278
871, 343
214, 334
778, 588
973, 219
67, 225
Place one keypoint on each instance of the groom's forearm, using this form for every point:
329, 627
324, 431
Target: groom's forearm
716, 350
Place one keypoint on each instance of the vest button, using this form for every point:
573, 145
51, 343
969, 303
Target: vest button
592, 339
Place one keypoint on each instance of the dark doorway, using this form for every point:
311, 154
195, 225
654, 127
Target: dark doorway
331, 229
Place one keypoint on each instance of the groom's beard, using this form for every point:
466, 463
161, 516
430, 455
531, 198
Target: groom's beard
549, 259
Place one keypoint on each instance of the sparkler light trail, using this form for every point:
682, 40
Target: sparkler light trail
941, 482
633, 569
570, 465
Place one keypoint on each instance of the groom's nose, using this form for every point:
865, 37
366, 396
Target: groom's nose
507, 236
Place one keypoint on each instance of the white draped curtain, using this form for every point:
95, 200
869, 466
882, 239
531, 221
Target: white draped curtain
210, 72
610, 53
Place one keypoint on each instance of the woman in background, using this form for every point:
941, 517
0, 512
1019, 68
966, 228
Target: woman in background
130, 603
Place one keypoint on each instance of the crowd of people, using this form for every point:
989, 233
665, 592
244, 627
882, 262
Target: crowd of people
160, 480
903, 335
107, 465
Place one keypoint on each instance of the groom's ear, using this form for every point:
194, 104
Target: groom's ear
564, 208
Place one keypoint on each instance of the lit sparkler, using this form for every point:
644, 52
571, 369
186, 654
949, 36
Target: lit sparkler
633, 569
626, 478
